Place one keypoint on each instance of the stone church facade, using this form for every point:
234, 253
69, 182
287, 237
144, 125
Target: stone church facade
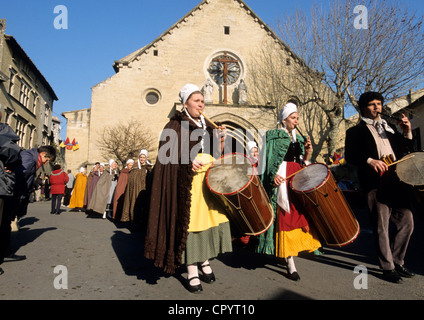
193, 50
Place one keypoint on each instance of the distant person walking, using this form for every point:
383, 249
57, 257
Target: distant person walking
58, 180
68, 188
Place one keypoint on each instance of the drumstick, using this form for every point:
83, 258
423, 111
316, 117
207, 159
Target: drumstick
406, 158
213, 123
297, 128
293, 174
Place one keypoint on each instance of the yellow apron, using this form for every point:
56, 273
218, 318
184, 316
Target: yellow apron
206, 210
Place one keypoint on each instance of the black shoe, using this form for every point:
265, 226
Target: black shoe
207, 277
403, 272
392, 276
14, 257
196, 288
1, 271
293, 276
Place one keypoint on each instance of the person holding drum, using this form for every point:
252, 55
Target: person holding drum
371, 140
286, 151
186, 225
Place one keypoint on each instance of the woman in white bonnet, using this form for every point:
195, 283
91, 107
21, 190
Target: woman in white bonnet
119, 195
286, 151
137, 194
77, 197
253, 152
186, 224
101, 199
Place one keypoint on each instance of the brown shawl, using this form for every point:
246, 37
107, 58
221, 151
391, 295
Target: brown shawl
119, 195
170, 201
135, 199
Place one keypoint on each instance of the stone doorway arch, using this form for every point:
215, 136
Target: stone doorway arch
239, 130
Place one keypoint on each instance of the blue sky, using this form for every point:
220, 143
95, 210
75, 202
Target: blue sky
100, 32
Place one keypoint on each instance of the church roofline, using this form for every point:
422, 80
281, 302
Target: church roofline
131, 57
63, 114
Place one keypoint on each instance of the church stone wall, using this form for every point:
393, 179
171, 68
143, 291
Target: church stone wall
179, 56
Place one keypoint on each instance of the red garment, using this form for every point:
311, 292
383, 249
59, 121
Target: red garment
295, 219
58, 180
39, 162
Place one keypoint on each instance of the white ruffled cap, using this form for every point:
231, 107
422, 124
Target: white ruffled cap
186, 91
250, 145
287, 110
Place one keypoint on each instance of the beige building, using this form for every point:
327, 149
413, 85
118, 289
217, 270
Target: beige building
216, 41
26, 98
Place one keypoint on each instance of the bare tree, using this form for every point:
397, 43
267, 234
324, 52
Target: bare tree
124, 141
342, 50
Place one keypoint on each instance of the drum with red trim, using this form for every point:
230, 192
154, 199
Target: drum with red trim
233, 179
326, 205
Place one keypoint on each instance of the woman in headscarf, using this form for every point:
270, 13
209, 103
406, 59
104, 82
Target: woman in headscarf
92, 179
77, 198
120, 190
286, 151
186, 224
137, 195
101, 200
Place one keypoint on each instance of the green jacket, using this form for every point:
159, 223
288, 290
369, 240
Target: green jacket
277, 144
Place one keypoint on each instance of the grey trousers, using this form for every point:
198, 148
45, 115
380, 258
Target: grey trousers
391, 243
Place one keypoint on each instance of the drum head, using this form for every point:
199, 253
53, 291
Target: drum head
229, 174
411, 171
310, 178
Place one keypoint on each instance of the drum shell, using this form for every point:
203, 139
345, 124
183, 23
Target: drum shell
329, 212
248, 208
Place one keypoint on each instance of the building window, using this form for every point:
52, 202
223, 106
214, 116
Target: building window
20, 131
24, 95
152, 97
221, 62
226, 30
155, 53
34, 103
12, 81
46, 115
31, 130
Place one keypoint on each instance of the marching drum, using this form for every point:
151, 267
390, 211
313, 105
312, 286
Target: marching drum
410, 170
325, 205
233, 179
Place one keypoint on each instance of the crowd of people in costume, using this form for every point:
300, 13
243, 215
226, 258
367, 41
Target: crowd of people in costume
108, 192
185, 225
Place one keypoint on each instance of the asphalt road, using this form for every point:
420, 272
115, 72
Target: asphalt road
74, 257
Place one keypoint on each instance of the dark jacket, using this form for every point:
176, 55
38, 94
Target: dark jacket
25, 173
360, 145
9, 158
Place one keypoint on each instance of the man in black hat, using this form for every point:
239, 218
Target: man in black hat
366, 145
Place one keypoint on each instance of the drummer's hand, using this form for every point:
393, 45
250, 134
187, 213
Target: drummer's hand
221, 133
308, 148
197, 164
278, 180
405, 124
378, 165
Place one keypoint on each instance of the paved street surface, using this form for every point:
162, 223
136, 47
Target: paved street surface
104, 261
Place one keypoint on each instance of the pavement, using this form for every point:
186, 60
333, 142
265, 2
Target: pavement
73, 256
